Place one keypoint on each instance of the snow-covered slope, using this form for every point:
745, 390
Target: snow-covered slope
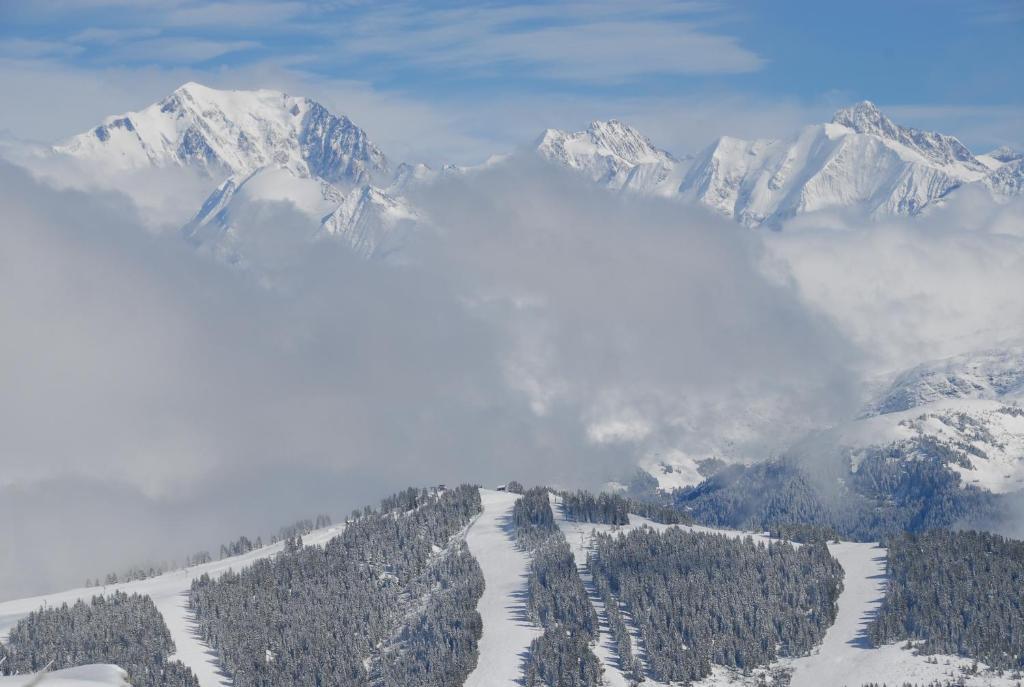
981, 440
989, 374
368, 219
843, 658
234, 132
963, 412
98, 675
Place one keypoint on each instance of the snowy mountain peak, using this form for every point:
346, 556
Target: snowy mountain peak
610, 152
866, 118
863, 117
626, 142
221, 132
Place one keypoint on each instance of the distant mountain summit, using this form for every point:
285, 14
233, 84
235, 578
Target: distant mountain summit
235, 132
259, 147
610, 153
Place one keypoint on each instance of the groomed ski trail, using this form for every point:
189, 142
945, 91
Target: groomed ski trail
508, 630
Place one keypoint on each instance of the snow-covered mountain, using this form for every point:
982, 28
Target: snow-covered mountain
234, 132
861, 159
260, 149
963, 412
1001, 155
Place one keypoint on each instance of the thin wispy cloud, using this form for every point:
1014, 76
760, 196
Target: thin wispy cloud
26, 48
173, 50
576, 42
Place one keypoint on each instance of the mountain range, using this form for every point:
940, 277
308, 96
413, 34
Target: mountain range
263, 146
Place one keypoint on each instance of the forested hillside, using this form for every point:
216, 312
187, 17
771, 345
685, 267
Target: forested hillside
703, 599
390, 602
394, 599
124, 630
957, 593
557, 601
887, 495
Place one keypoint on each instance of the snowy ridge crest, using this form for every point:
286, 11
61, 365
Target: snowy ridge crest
860, 160
611, 153
866, 118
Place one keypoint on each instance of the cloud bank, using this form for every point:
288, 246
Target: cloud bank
155, 401
150, 394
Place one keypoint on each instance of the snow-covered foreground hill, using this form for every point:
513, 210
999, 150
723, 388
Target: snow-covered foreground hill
83, 676
844, 657
170, 594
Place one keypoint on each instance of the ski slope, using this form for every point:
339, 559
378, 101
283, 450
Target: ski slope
846, 657
99, 675
508, 630
170, 594
845, 647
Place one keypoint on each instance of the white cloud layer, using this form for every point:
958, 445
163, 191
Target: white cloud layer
549, 341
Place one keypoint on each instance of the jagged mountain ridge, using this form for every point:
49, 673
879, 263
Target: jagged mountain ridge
612, 154
861, 159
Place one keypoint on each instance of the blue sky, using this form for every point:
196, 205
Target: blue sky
438, 80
